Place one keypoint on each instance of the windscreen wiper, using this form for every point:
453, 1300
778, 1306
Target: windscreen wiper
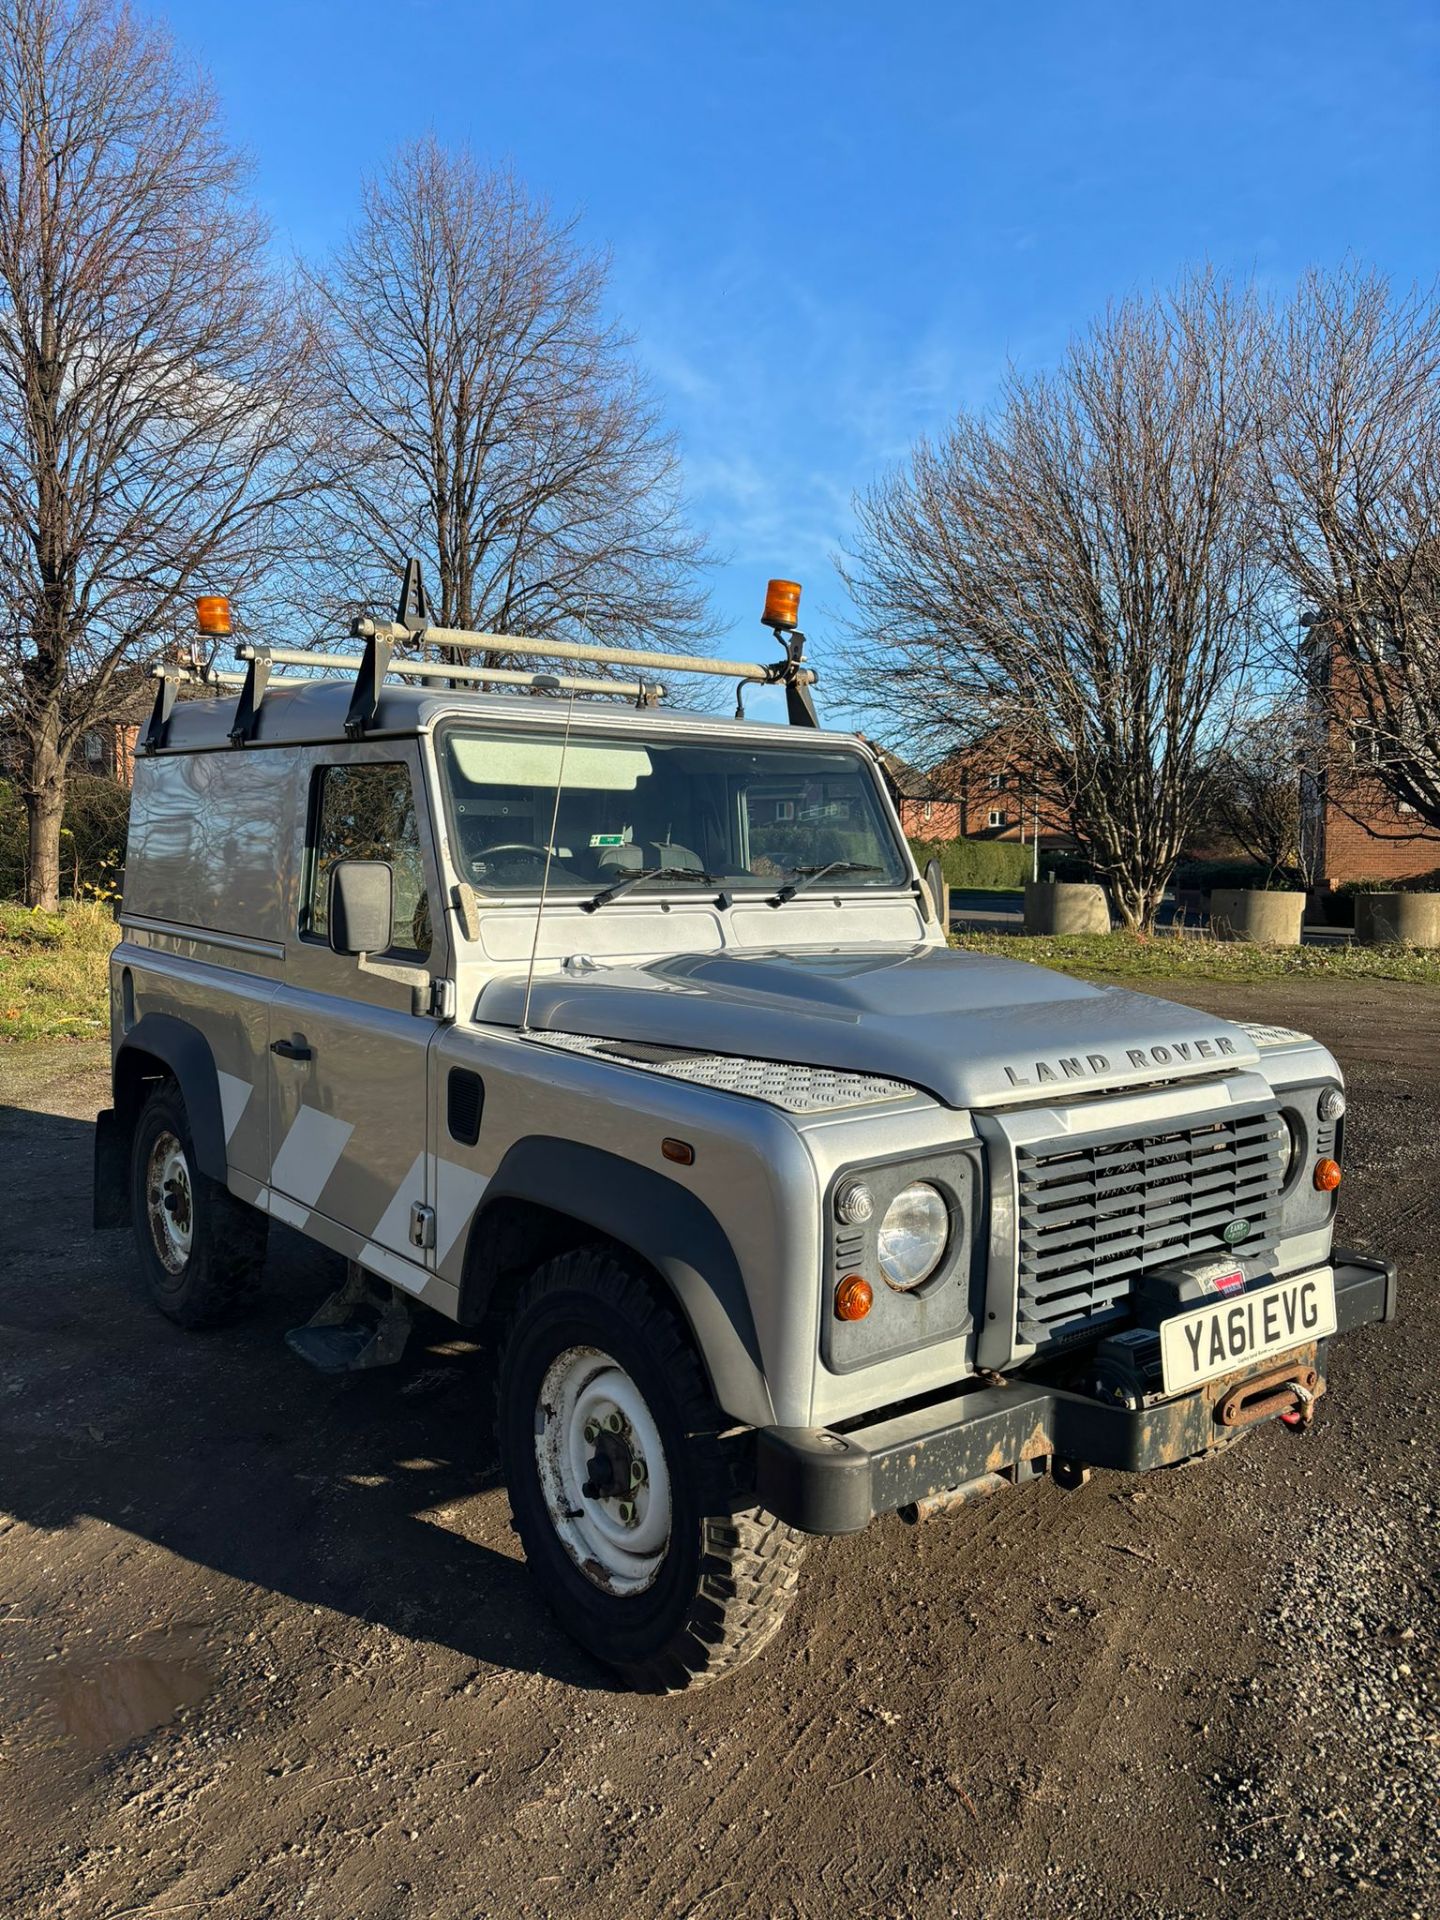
607, 894
799, 878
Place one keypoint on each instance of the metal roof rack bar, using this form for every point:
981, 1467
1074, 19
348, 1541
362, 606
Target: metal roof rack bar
646, 690
411, 629
170, 676
761, 674
247, 707
370, 671
167, 679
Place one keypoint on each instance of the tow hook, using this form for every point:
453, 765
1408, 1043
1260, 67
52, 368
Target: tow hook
1298, 1417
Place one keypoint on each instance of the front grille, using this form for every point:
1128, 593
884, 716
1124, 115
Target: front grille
1094, 1217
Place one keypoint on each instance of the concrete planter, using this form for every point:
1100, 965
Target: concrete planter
1068, 908
1397, 919
1266, 919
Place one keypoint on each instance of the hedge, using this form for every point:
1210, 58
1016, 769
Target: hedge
92, 837
985, 864
1412, 883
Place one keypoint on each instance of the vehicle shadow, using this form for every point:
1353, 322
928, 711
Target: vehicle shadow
362, 1494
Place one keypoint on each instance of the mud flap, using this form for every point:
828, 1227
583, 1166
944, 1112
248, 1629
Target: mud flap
363, 1324
112, 1169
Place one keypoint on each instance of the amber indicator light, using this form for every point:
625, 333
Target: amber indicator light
853, 1298
679, 1151
782, 604
1327, 1175
212, 615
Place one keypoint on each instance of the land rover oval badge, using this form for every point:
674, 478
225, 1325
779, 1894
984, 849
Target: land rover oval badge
1235, 1232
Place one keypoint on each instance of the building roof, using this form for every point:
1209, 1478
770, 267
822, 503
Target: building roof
912, 783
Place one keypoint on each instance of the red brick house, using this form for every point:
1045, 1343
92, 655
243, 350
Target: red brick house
998, 797
927, 807
1354, 828
983, 792
108, 748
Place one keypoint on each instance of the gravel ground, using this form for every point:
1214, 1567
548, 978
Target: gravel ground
266, 1645
1353, 1797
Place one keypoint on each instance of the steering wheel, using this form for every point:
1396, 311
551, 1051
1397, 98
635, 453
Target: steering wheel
477, 860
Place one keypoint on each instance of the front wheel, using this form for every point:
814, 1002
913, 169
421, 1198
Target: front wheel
626, 1492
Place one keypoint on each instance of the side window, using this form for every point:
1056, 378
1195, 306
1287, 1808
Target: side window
366, 812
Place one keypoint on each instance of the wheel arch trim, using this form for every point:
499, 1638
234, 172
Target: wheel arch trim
184, 1052
656, 1218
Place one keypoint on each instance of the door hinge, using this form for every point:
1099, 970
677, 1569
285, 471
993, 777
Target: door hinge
436, 998
422, 1225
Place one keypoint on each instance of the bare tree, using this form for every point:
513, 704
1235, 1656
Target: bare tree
1075, 569
1263, 783
496, 424
1350, 484
153, 426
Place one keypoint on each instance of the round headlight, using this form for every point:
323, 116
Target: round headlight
1291, 1146
913, 1235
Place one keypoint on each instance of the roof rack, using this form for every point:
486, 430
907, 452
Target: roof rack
412, 627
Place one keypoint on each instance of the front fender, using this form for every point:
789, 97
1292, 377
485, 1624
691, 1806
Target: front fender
669, 1228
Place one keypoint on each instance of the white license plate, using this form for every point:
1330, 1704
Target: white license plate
1227, 1334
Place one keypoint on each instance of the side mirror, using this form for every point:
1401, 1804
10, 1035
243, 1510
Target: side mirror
939, 892
362, 903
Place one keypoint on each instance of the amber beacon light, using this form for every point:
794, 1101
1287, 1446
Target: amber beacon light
212, 616
782, 605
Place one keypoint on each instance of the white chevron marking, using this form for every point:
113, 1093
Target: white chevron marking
393, 1227
234, 1098
309, 1153
390, 1266
457, 1194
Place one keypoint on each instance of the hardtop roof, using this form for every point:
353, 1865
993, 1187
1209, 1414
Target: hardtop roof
314, 712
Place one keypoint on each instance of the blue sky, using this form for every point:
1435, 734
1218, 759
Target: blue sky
832, 224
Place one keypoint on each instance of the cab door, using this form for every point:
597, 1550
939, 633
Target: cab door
350, 1036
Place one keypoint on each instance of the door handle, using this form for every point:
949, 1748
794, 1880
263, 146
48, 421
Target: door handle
295, 1049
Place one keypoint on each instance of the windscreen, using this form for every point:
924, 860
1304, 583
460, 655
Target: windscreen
748, 818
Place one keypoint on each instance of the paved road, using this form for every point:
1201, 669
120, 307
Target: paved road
268, 1647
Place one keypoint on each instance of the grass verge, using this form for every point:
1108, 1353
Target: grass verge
53, 971
1168, 956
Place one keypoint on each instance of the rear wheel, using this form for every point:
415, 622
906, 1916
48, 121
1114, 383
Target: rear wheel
200, 1248
629, 1496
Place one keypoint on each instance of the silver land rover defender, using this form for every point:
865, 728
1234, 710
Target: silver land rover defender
629, 1039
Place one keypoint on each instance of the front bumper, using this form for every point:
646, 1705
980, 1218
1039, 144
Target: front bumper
823, 1481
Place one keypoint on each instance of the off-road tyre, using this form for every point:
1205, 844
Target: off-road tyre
218, 1276
729, 1570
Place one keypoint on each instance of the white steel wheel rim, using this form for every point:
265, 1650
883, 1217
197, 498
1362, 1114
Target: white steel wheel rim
170, 1202
589, 1408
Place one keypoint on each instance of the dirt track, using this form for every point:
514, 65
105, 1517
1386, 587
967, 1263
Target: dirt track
266, 1646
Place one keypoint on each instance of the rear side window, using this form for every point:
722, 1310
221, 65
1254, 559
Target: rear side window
366, 812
